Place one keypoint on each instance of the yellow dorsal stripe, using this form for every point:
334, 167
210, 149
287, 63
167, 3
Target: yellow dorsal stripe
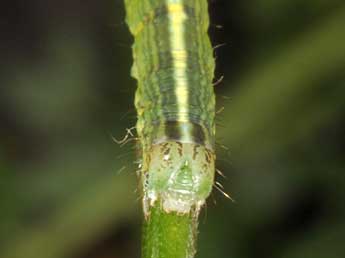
175, 7
177, 16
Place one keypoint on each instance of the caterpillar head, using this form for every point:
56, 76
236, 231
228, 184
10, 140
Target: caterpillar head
178, 175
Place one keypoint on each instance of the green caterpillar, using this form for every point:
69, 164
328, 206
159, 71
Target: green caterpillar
175, 101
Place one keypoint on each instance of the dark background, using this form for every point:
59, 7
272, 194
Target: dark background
67, 190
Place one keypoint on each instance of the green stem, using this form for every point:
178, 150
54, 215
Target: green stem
169, 235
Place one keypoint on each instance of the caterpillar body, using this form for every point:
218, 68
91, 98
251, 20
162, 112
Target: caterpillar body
175, 101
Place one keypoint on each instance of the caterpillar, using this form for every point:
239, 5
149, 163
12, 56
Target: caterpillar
175, 101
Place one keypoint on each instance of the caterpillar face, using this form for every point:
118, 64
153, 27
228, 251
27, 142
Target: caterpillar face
179, 175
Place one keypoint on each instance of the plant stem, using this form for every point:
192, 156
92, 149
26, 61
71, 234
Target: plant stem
169, 235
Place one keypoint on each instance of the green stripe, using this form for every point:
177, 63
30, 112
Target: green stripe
200, 81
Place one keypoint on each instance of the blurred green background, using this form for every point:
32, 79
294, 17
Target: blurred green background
67, 190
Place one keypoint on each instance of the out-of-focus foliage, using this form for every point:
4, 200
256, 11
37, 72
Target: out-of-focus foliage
67, 190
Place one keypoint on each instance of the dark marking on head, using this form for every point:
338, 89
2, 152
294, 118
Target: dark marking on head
179, 148
207, 157
164, 148
167, 151
195, 151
